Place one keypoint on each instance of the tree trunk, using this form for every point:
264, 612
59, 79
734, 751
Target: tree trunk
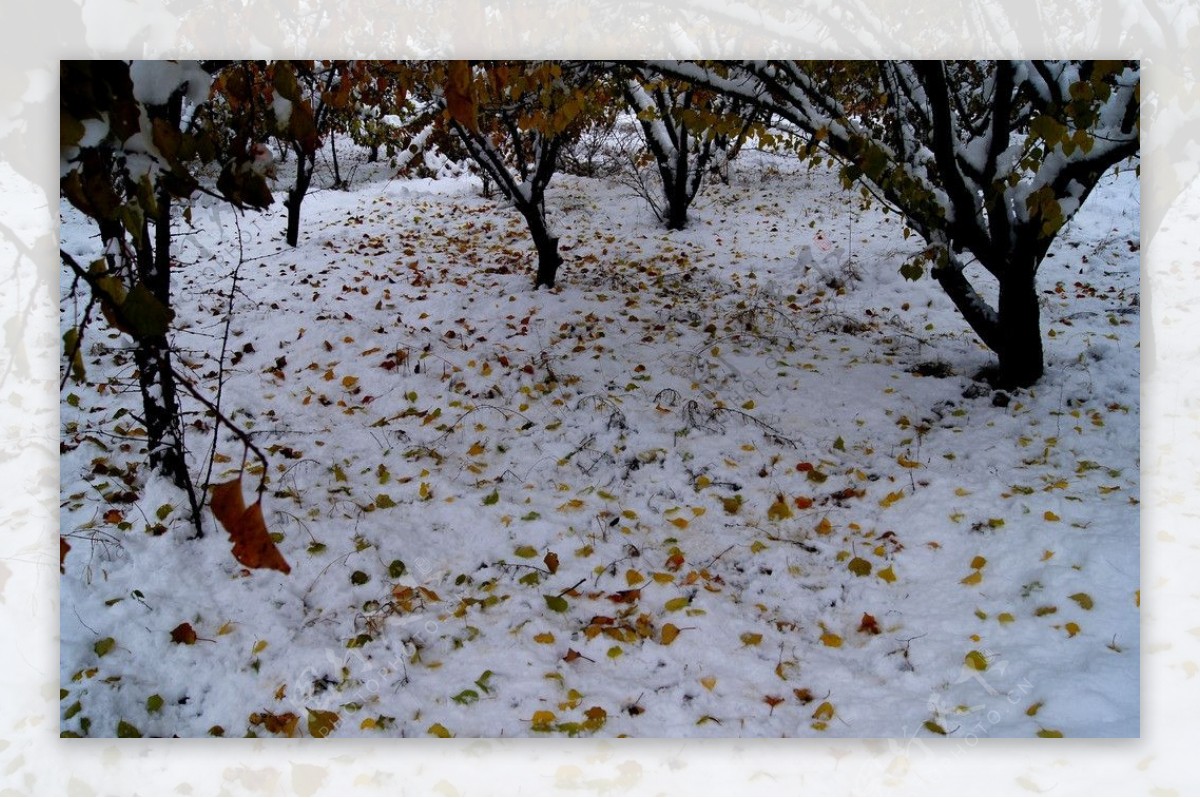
547, 249
1020, 334
295, 197
337, 171
1014, 332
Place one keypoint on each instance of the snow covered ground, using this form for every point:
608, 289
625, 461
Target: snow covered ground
726, 482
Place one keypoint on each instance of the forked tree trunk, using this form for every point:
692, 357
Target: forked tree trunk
1013, 331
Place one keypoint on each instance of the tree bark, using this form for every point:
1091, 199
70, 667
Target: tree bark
296, 196
547, 250
1020, 335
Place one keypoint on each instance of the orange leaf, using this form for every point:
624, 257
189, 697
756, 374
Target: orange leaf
460, 99
252, 544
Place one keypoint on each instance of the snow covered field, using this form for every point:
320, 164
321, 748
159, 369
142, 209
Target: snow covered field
732, 481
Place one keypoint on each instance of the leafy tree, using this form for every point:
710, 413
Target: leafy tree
686, 128
128, 134
986, 160
515, 117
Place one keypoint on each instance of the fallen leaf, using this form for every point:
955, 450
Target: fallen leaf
252, 544
868, 625
63, 548
183, 633
321, 723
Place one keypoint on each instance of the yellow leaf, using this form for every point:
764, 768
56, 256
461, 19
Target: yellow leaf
676, 604
476, 449
259, 646
891, 498
831, 640
751, 638
961, 492
824, 712
368, 723
702, 482
1083, 600
669, 632
978, 562
976, 661
1005, 617
824, 527
545, 638
859, 567
1049, 733
709, 682
681, 523
438, 730
973, 578
779, 511
887, 575
906, 463
1033, 708
349, 382
1047, 554
226, 628
662, 578
699, 511
1072, 628
1049, 516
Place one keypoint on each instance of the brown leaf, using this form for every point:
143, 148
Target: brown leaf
625, 596
551, 561
63, 548
183, 633
868, 625
252, 544
285, 723
460, 99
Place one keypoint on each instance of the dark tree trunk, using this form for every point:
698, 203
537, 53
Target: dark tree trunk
547, 250
296, 196
337, 171
1019, 345
1014, 331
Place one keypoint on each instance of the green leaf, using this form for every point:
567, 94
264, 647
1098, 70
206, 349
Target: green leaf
127, 729
482, 681
911, 270
396, 569
1083, 600
525, 551
491, 498
154, 703
556, 603
466, 697
384, 501
145, 314
104, 646
359, 578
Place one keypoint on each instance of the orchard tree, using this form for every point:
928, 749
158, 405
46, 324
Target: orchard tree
515, 118
686, 128
129, 133
986, 160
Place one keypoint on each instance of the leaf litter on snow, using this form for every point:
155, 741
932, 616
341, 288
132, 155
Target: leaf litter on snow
706, 487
